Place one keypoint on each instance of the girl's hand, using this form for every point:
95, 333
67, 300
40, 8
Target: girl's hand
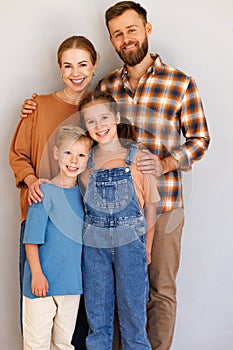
148, 255
39, 285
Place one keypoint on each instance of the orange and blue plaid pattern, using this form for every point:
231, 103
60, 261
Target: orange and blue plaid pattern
167, 110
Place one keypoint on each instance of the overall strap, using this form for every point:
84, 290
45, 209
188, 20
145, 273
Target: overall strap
91, 163
131, 154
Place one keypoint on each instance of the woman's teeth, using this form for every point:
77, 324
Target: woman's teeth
77, 81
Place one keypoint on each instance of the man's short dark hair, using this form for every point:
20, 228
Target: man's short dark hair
120, 7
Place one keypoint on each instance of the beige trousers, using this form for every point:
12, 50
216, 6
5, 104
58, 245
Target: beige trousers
48, 323
161, 310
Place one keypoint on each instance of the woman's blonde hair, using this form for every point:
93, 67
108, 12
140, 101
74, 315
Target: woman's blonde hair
77, 42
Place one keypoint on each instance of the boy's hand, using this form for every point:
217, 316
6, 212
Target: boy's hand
29, 106
39, 285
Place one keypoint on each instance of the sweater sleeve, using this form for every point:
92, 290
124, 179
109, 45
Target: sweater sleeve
20, 150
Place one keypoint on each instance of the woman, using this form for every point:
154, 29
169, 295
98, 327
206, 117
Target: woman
30, 156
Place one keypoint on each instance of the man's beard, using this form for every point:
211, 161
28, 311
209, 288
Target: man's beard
133, 58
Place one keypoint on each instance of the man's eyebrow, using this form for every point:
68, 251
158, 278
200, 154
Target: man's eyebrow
127, 27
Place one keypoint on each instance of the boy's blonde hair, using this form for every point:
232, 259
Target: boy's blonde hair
73, 133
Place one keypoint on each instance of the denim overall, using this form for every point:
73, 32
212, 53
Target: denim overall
114, 258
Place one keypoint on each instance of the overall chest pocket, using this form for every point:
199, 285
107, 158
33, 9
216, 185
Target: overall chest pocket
112, 195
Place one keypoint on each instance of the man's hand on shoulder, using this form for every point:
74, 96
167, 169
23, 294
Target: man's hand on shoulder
29, 106
150, 163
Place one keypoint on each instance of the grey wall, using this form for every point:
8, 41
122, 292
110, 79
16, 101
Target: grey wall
194, 36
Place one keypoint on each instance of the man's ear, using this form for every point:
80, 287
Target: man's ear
55, 152
149, 28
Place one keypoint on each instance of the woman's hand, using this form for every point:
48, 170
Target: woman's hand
34, 193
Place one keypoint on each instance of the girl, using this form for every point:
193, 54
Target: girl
53, 236
120, 211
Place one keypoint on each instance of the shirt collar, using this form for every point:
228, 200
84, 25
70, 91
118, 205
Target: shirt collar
154, 69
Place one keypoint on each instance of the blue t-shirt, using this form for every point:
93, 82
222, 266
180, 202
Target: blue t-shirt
55, 225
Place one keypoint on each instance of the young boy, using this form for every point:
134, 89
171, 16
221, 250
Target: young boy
53, 242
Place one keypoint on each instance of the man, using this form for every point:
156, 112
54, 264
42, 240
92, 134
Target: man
162, 102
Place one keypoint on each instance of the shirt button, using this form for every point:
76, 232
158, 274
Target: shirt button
126, 170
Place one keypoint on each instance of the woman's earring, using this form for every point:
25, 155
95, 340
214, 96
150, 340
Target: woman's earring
93, 74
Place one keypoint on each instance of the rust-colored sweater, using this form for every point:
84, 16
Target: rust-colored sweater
31, 146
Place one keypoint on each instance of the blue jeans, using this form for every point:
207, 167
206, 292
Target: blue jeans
114, 258
119, 272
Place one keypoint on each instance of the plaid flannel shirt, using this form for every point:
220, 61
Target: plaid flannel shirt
167, 110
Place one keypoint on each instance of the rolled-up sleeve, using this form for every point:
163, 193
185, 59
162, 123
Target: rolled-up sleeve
194, 128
